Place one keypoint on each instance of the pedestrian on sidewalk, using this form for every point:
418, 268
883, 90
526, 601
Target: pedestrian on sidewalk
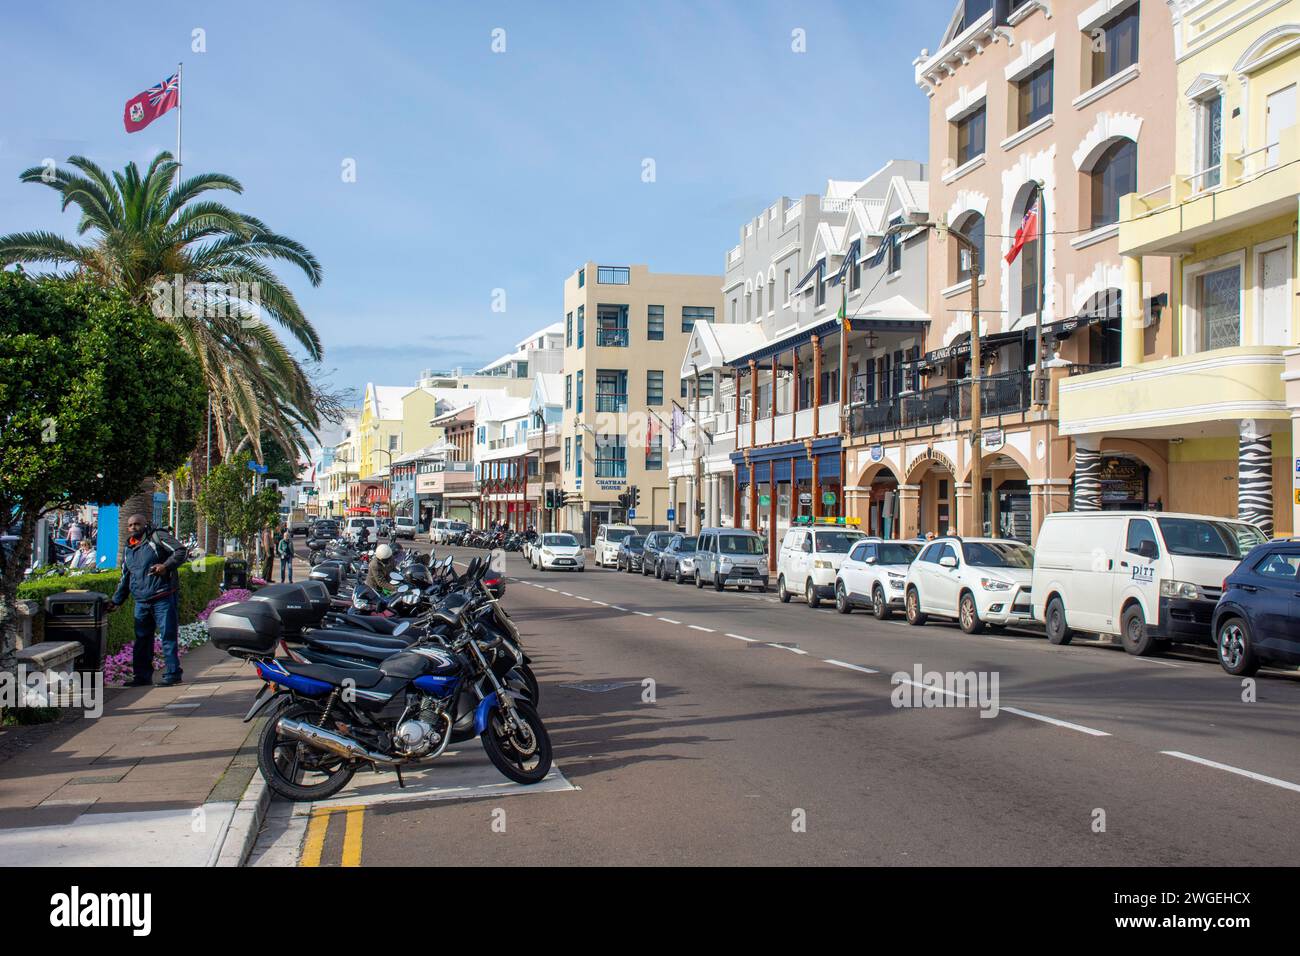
284, 548
150, 561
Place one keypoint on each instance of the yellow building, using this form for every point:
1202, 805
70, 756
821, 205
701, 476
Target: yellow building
1211, 422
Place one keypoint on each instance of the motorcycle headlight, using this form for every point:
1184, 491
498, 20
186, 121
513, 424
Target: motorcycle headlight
993, 584
1179, 589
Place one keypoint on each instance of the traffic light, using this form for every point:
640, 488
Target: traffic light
550, 500
634, 494
623, 499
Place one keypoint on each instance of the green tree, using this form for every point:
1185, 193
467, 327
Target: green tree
95, 394
205, 269
228, 501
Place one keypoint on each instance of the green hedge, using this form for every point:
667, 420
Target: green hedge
197, 589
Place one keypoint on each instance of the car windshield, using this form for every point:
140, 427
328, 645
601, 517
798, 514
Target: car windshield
740, 544
635, 541
836, 542
998, 555
1202, 538
618, 534
559, 541
686, 544
459, 526
899, 553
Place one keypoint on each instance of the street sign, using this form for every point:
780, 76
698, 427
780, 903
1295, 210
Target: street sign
828, 498
631, 513
672, 514
254, 466
764, 500
805, 497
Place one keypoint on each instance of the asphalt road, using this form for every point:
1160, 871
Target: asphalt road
704, 728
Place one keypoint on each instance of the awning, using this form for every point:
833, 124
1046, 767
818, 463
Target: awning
786, 342
960, 346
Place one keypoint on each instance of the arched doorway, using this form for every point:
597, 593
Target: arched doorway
1008, 504
933, 476
878, 504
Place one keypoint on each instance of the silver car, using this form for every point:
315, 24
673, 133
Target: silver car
731, 556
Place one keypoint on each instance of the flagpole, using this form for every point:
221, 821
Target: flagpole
179, 102
1042, 296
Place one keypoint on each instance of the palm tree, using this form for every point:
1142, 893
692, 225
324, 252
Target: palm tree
140, 234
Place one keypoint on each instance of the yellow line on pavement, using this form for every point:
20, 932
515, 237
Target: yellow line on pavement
315, 842
352, 836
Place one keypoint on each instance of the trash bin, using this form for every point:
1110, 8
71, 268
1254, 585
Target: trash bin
235, 574
79, 616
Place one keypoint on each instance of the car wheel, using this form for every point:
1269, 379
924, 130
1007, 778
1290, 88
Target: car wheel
879, 605
914, 615
677, 576
842, 599
699, 581
1236, 648
781, 592
718, 584
968, 615
810, 594
1057, 632
1134, 634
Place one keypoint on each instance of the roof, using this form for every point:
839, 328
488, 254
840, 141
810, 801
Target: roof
518, 450
713, 344
499, 406
548, 389
555, 328
386, 399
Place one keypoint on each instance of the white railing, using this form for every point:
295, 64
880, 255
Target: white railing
794, 212
734, 255
1200, 182
1267, 154
830, 204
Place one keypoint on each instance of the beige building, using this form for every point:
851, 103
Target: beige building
1075, 98
625, 334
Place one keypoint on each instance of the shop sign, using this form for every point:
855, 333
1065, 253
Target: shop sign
993, 439
828, 498
805, 497
878, 454
764, 500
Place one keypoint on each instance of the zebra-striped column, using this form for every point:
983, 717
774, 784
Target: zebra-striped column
1255, 477
1087, 474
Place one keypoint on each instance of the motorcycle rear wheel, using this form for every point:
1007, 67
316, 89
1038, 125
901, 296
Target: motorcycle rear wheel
294, 770
525, 756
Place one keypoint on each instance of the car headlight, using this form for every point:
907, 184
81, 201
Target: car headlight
823, 564
546, 553
993, 584
688, 562
1179, 589
896, 581
724, 563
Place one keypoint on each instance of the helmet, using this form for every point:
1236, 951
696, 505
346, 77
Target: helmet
383, 552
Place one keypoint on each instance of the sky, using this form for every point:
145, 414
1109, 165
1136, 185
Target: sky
476, 169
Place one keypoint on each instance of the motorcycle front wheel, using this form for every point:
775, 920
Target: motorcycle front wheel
524, 755
294, 770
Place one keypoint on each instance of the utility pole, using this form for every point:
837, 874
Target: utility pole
695, 522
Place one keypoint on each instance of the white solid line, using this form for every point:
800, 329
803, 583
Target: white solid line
696, 627
669, 620
852, 667
643, 613
1058, 723
1285, 785
742, 637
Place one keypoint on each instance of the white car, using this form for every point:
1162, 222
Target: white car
608, 538
558, 552
810, 557
978, 581
405, 527
872, 576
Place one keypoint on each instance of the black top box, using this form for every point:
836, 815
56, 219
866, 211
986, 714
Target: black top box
291, 603
251, 627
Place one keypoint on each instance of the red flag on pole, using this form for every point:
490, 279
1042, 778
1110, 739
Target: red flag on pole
1027, 232
144, 108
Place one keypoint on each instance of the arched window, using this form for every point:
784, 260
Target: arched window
1114, 174
972, 227
1025, 269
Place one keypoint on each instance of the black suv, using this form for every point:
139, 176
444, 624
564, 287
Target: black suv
1257, 617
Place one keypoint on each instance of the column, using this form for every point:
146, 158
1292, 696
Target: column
965, 512
1255, 476
692, 523
672, 501
753, 497
1134, 308
1087, 473
771, 518
817, 399
735, 496
816, 490
909, 511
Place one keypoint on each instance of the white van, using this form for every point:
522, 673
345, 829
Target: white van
810, 557
1150, 577
608, 538
352, 528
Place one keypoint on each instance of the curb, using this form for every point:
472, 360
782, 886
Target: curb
245, 824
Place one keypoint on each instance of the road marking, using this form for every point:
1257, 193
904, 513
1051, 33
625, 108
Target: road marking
354, 823
566, 594
792, 650
669, 620
742, 637
615, 607
601, 603
643, 613
1284, 784
315, 842
852, 667
580, 597
696, 627
1058, 723
553, 590
538, 586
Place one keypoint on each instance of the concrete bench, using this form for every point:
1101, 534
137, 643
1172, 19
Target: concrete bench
50, 655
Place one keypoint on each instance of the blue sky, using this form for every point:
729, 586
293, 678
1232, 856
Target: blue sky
475, 170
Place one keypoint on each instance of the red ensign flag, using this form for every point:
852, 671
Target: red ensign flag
1027, 232
143, 109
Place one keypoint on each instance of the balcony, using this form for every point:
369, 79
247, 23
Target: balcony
1245, 190
792, 426
1007, 393
1202, 393
611, 401
612, 338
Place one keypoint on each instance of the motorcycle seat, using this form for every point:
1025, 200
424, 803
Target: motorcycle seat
359, 676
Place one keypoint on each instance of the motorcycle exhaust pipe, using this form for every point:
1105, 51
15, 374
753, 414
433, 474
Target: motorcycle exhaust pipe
327, 740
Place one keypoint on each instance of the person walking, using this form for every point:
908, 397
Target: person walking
75, 533
150, 561
284, 548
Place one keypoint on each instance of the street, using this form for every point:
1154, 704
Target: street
704, 728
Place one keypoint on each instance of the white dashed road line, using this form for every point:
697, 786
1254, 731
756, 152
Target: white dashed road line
1056, 723
1284, 784
643, 613
792, 650
852, 667
696, 627
669, 620
742, 637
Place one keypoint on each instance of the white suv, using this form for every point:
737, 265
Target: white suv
872, 576
608, 538
810, 557
978, 581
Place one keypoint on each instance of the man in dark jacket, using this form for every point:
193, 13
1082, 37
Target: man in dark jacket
149, 564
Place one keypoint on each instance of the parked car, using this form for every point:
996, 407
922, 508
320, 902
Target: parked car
978, 581
731, 556
608, 538
558, 551
872, 575
810, 557
352, 528
655, 543
631, 553
1255, 620
1151, 579
677, 560
405, 527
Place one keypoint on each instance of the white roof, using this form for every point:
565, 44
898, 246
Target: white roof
517, 450
500, 406
842, 188
718, 343
895, 307
548, 389
555, 328
386, 399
